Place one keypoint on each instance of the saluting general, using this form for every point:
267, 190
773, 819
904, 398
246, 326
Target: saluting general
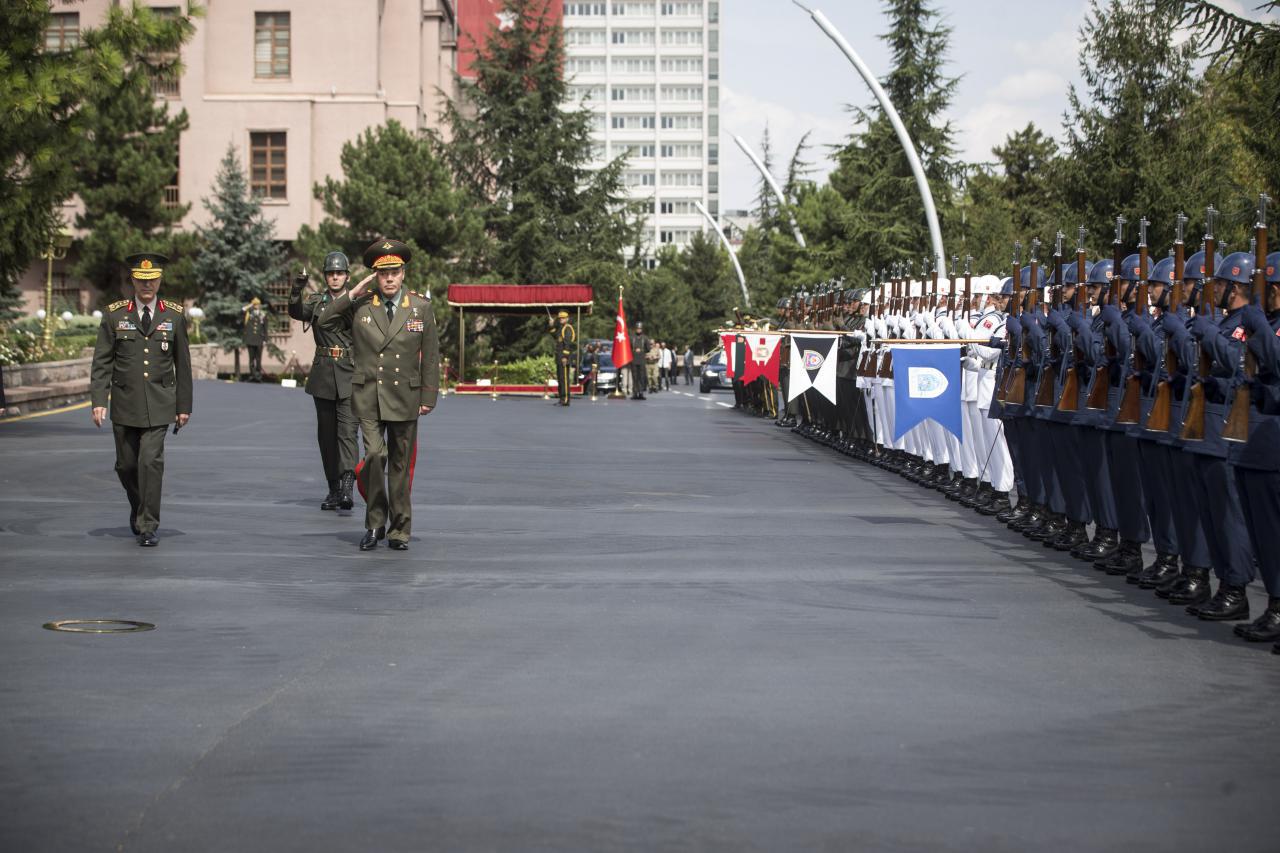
396, 379
142, 369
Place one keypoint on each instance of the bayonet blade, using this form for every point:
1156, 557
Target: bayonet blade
1263, 200
1142, 231
1080, 232
1120, 223
1035, 250
1017, 253
1180, 226
1057, 244
1210, 219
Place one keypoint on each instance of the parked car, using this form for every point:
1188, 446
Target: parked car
606, 373
712, 373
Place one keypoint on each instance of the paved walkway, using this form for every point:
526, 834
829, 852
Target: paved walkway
659, 625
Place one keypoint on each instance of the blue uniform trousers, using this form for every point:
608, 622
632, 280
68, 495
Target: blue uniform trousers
1260, 500
1097, 476
1223, 520
1126, 486
1013, 439
1193, 545
1064, 441
1158, 491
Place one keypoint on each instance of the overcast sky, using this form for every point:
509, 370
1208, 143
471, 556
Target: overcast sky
1015, 59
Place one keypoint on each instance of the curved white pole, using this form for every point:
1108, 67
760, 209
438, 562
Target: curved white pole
922, 183
773, 185
742, 280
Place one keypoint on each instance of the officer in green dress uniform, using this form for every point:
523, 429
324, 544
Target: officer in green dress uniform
329, 381
395, 380
142, 368
255, 336
566, 347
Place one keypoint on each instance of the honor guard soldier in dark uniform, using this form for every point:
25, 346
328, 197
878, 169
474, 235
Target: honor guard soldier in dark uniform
396, 379
565, 350
329, 381
640, 343
255, 336
142, 367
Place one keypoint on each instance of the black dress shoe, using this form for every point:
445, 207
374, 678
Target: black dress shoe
1073, 536
397, 545
1229, 604
1164, 568
1126, 559
1033, 519
1018, 510
1105, 543
1266, 627
148, 539
331, 500
1172, 585
345, 499
998, 503
370, 540
1194, 589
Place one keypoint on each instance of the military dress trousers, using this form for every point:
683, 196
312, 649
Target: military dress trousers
145, 377
329, 384
397, 370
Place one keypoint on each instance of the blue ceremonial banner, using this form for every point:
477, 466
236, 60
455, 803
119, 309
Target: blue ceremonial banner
926, 384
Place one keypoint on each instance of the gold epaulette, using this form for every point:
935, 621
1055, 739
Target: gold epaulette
173, 306
116, 306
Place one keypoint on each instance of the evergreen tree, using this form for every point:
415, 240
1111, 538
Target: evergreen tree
131, 153
884, 218
239, 255
526, 159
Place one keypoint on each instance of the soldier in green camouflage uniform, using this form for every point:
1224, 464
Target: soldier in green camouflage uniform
142, 368
329, 381
396, 380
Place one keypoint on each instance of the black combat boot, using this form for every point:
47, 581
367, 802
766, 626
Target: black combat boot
958, 488
1072, 536
981, 496
998, 503
1266, 627
345, 499
1154, 575
1017, 511
331, 500
1051, 529
1104, 544
1126, 559
1172, 585
1228, 605
1194, 589
1033, 518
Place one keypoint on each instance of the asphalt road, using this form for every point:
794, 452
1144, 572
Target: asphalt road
659, 626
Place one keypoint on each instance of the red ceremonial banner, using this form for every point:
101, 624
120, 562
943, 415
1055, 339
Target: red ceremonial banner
762, 357
621, 340
727, 341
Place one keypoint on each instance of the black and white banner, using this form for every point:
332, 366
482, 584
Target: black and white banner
813, 365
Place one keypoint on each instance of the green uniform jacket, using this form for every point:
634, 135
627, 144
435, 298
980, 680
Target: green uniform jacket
255, 328
146, 377
330, 377
397, 369
566, 342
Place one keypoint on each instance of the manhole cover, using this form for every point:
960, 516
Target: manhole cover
99, 626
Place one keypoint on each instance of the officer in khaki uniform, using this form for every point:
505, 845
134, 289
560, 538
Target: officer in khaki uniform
566, 349
396, 380
142, 366
329, 381
255, 336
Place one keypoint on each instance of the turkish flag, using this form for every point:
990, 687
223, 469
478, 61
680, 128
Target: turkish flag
762, 357
621, 340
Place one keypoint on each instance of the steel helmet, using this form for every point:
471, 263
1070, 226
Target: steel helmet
1237, 267
1194, 269
336, 262
1273, 268
1069, 273
1162, 272
1129, 269
1025, 282
1100, 272
1006, 287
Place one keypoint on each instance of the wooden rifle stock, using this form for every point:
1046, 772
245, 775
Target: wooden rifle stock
1160, 418
1070, 399
1236, 427
1005, 381
1193, 422
1131, 402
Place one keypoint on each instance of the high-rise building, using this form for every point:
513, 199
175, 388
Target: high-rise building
650, 74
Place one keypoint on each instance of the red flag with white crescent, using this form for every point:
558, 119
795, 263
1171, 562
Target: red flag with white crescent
621, 340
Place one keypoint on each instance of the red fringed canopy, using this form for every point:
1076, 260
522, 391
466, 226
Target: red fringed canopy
518, 298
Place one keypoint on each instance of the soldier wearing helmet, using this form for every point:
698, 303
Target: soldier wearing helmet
329, 380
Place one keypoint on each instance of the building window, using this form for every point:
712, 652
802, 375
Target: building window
633, 9
586, 93
682, 149
713, 153
63, 32
682, 38
632, 122
633, 38
271, 45
690, 94
678, 208
682, 122
682, 64
682, 9
713, 13
713, 96
171, 198
267, 160
713, 181
713, 68
633, 149
584, 65
713, 41
635, 94
637, 179
682, 179
583, 9
277, 307
584, 38
633, 65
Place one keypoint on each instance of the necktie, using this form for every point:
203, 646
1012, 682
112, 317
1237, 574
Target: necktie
146, 320
391, 310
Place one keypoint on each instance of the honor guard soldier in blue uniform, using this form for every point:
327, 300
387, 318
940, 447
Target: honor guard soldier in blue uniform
566, 347
142, 369
329, 381
395, 381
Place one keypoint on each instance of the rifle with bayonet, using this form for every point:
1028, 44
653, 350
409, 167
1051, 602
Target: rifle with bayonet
1130, 411
1193, 423
1101, 386
1015, 308
1049, 374
1017, 393
1160, 418
1070, 399
1236, 427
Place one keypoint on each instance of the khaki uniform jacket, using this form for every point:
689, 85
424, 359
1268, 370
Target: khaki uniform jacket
146, 377
329, 377
397, 366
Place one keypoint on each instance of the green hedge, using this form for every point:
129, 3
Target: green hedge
527, 371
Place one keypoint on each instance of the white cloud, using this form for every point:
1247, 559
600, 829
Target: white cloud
1030, 85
